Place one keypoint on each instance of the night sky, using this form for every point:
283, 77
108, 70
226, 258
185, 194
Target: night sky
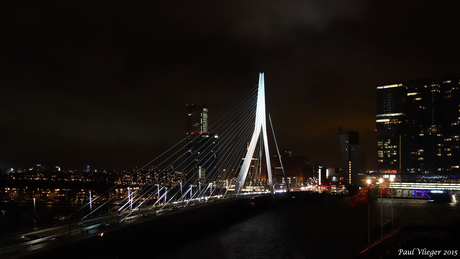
105, 83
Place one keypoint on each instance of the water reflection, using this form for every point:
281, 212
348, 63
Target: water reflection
327, 229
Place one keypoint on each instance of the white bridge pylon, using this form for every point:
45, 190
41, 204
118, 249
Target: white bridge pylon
259, 128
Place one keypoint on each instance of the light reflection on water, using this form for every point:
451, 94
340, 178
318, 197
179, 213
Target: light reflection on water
328, 229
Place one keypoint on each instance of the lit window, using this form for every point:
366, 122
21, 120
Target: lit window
389, 86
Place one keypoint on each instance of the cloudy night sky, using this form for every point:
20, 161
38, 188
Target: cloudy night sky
105, 83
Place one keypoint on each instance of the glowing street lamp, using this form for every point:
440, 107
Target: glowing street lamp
392, 219
35, 215
35, 211
368, 217
3, 228
381, 210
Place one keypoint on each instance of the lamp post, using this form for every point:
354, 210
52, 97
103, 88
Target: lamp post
368, 218
3, 229
381, 210
35, 215
392, 219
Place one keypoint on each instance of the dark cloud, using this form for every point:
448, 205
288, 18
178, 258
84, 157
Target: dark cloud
107, 82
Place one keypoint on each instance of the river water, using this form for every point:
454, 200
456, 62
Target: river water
320, 229
327, 228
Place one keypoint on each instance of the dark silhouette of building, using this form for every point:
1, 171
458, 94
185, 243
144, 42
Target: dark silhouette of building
353, 159
295, 168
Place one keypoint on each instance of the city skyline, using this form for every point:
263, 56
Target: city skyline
107, 85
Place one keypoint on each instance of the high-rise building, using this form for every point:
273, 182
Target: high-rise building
202, 154
417, 125
451, 124
390, 121
423, 135
353, 159
197, 119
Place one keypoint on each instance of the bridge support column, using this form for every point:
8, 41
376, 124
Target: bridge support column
259, 128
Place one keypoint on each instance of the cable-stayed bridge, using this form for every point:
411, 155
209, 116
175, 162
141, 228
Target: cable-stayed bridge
227, 161
223, 162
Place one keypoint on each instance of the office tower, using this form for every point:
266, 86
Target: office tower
353, 160
197, 119
423, 138
202, 154
417, 125
390, 121
451, 124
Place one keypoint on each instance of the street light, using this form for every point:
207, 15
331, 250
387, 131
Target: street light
35, 215
392, 219
3, 228
381, 210
368, 218
35, 211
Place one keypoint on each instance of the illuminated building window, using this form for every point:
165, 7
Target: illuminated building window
389, 86
390, 114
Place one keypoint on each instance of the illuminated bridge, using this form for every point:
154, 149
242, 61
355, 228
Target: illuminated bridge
223, 167
211, 163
